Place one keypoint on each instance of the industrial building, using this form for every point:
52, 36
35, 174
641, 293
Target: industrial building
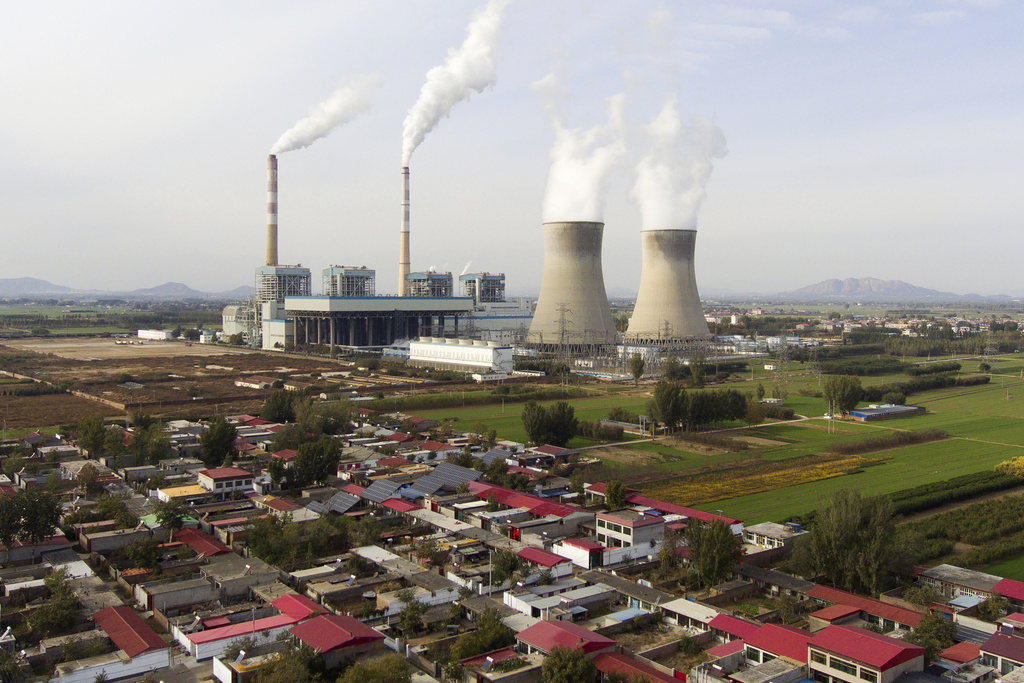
429, 283
573, 306
483, 288
464, 355
349, 282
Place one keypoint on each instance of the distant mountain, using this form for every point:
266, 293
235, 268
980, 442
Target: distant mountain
873, 289
13, 288
22, 286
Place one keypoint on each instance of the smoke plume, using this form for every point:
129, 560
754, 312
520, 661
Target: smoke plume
582, 160
466, 269
347, 102
670, 179
469, 68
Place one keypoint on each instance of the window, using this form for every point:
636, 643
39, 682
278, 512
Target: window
868, 675
754, 655
818, 657
220, 485
843, 666
600, 523
819, 677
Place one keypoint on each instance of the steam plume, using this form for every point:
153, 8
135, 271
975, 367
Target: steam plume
670, 179
466, 269
347, 102
582, 160
470, 67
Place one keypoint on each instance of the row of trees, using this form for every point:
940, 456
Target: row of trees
554, 425
675, 407
147, 445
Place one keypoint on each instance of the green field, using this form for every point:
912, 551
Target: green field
1012, 568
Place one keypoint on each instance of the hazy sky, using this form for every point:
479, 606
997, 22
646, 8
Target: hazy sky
877, 139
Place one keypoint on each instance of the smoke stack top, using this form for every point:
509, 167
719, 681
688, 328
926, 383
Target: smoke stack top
582, 160
670, 179
271, 210
471, 67
345, 104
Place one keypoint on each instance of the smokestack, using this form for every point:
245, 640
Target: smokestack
668, 304
272, 210
403, 247
573, 305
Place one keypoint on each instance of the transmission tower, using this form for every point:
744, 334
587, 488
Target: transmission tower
563, 341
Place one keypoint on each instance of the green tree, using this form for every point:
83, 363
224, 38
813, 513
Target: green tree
636, 367
40, 515
615, 494
57, 613
318, 460
411, 617
668, 404
568, 665
922, 595
756, 413
217, 442
760, 392
91, 434
171, 515
842, 392
994, 607
143, 553
504, 563
279, 406
88, 479
714, 550
555, 425
934, 633
698, 368
388, 669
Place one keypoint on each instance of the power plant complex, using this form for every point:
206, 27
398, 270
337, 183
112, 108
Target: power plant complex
571, 316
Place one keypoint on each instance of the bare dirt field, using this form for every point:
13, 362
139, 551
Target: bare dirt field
692, 446
628, 456
759, 441
92, 348
30, 412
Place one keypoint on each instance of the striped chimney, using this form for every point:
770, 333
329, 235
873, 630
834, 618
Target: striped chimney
403, 247
272, 210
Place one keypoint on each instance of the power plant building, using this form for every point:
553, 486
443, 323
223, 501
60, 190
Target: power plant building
573, 306
349, 282
463, 355
429, 283
483, 287
668, 305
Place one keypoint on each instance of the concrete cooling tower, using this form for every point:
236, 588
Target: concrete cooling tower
668, 305
573, 306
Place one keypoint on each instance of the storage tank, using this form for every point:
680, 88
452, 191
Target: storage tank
667, 305
572, 286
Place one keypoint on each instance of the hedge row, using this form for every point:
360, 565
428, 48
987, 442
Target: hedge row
933, 368
431, 401
885, 365
910, 386
929, 496
598, 431
887, 441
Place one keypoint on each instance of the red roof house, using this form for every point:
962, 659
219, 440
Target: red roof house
202, 543
866, 647
737, 628
781, 641
613, 662
542, 557
286, 454
338, 637
545, 636
961, 653
127, 630
875, 608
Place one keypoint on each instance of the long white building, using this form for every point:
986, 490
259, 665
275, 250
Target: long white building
465, 355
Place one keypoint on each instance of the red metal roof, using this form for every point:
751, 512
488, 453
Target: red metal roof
401, 437
1008, 588
671, 509
547, 635
128, 631
782, 641
287, 454
613, 662
393, 462
873, 649
400, 505
242, 628
961, 653
297, 606
437, 446
601, 487
515, 499
872, 607
280, 504
541, 557
497, 656
1003, 645
331, 632
833, 612
201, 543
222, 473
726, 649
354, 489
733, 626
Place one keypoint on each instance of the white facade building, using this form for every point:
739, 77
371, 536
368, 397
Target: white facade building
155, 335
466, 355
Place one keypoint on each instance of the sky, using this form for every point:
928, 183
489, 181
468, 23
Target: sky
876, 139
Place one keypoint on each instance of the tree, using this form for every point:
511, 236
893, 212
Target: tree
91, 434
698, 368
411, 617
760, 391
318, 460
217, 442
615, 494
756, 413
922, 595
842, 392
555, 425
568, 665
40, 514
668, 404
994, 607
636, 367
714, 550
504, 563
854, 543
143, 553
57, 613
171, 515
279, 406
934, 633
387, 669
88, 478
668, 555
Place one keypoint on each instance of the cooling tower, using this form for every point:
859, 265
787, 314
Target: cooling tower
668, 305
573, 306
272, 210
403, 246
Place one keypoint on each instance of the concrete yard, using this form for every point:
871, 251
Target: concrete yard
92, 348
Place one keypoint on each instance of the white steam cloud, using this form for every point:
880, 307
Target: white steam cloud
466, 269
582, 160
471, 67
670, 179
347, 102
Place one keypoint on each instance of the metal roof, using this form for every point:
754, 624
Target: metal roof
341, 502
128, 631
445, 475
380, 490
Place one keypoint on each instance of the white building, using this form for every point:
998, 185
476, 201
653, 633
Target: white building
465, 355
155, 335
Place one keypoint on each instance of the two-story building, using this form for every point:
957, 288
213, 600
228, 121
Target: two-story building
624, 528
847, 654
225, 481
